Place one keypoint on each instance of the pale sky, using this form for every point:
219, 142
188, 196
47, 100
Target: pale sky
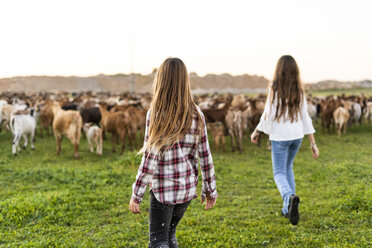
329, 39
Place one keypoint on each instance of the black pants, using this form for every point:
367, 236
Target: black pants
163, 222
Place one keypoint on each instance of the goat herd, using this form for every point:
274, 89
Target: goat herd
124, 116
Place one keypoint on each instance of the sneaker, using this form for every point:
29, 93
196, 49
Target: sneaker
293, 214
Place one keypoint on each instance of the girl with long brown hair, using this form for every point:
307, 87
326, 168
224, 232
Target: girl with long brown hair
286, 120
175, 136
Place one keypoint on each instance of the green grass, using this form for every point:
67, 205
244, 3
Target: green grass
50, 201
352, 91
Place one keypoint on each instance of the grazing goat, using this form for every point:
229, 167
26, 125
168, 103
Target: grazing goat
46, 118
234, 123
69, 123
70, 106
341, 117
239, 102
21, 126
251, 118
213, 115
252, 115
218, 133
326, 114
117, 123
368, 114
138, 124
355, 114
7, 111
91, 115
94, 135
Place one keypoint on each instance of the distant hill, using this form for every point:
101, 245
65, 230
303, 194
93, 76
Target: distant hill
143, 83
115, 83
122, 83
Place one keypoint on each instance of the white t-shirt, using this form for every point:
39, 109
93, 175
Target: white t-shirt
284, 129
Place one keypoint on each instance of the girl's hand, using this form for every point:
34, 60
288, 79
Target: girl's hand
210, 202
315, 151
134, 207
254, 136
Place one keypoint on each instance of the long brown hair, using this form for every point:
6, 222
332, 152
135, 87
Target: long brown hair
287, 88
172, 107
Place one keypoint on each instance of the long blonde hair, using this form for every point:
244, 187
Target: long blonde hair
172, 107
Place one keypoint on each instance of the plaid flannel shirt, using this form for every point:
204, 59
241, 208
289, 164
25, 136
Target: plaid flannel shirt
173, 175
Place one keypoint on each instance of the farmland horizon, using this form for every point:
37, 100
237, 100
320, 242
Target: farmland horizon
190, 73
142, 83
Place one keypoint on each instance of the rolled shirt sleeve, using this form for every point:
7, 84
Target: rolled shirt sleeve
145, 170
143, 177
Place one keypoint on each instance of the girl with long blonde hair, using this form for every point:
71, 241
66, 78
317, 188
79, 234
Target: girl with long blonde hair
286, 120
175, 136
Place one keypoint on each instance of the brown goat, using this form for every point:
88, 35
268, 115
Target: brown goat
137, 115
239, 102
46, 118
7, 111
251, 117
69, 123
213, 115
218, 134
234, 123
326, 114
139, 121
118, 124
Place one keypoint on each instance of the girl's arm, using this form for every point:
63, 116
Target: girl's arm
145, 170
209, 189
143, 177
313, 146
309, 128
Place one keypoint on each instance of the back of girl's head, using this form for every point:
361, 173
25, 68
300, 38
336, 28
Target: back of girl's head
172, 107
287, 87
171, 84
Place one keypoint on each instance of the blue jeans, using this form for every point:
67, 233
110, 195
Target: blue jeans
283, 153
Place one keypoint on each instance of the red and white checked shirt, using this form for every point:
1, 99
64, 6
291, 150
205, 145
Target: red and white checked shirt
173, 176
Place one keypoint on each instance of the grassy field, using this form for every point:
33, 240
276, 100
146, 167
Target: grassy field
50, 201
352, 91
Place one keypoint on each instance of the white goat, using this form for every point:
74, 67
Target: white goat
355, 114
94, 135
2, 103
21, 125
311, 108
